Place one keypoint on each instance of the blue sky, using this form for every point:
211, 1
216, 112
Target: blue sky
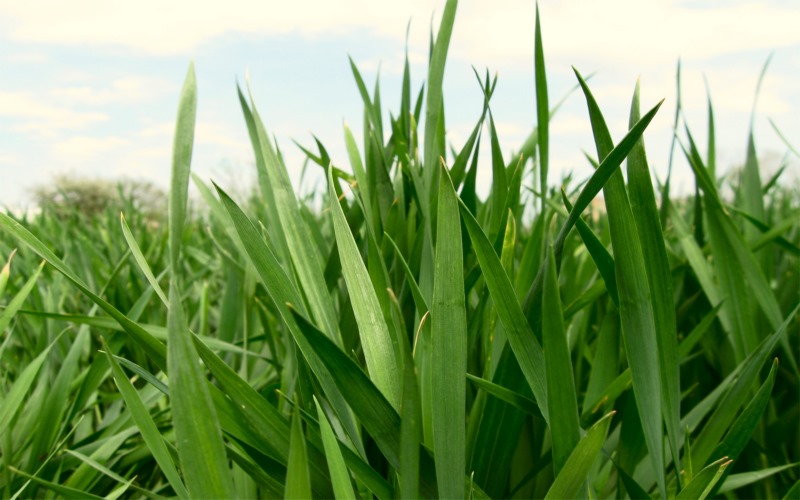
91, 88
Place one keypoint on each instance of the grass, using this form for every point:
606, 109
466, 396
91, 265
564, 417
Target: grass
411, 339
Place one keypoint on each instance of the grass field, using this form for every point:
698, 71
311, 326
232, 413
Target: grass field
411, 339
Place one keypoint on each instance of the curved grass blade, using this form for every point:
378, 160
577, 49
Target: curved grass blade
376, 339
542, 107
340, 478
705, 480
141, 261
648, 226
449, 346
636, 309
515, 399
520, 337
736, 481
572, 477
147, 427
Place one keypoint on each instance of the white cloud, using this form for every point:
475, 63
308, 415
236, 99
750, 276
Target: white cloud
77, 150
29, 114
486, 33
129, 90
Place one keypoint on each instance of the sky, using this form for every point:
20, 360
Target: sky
90, 88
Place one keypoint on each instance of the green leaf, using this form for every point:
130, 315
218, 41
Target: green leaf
561, 402
704, 481
542, 107
648, 226
513, 398
376, 339
141, 261
342, 488
636, 309
573, 475
736, 481
16, 302
147, 427
449, 346
524, 344
298, 484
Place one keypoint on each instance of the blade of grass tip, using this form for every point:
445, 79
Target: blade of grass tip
636, 309
199, 437
561, 402
542, 107
298, 485
712, 136
181, 165
648, 225
665, 203
449, 346
783, 138
736, 481
515, 399
433, 105
574, 473
609, 165
340, 478
140, 260
704, 481
376, 339
5, 272
16, 302
524, 344
147, 427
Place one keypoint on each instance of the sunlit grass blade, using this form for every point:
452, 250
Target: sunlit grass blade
379, 351
742, 479
542, 107
6, 272
140, 260
198, 434
18, 300
572, 477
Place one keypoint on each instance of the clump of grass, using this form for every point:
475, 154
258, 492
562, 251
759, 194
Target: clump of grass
411, 340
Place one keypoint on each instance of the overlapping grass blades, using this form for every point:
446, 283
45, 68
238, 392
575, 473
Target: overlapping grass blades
411, 339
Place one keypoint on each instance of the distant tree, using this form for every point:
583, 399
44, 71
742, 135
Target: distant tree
69, 195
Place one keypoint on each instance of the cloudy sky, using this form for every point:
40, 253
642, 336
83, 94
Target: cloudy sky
91, 87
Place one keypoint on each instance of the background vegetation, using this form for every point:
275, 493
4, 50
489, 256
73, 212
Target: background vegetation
410, 339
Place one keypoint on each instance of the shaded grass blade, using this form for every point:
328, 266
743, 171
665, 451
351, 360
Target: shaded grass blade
340, 478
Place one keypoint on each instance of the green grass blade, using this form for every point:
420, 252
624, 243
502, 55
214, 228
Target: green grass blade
6, 272
742, 479
449, 346
14, 398
648, 225
141, 261
16, 302
375, 337
298, 484
561, 403
340, 478
573, 475
524, 344
542, 107
513, 398
737, 394
705, 480
147, 427
636, 310
199, 438
410, 427
433, 101
181, 161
